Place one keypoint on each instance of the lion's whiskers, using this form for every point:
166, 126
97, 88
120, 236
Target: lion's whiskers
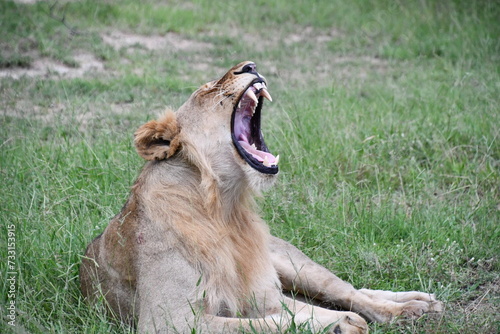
216, 102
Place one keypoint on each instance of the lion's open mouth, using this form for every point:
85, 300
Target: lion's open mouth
246, 132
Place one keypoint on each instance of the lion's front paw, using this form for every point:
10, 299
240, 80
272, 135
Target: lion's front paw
384, 306
417, 308
351, 323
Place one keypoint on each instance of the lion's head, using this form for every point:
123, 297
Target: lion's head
218, 129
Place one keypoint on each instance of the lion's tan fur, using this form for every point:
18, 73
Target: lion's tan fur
189, 250
226, 245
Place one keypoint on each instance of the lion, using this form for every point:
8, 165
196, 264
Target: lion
189, 252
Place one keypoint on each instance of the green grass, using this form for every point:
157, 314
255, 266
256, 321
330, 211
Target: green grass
386, 115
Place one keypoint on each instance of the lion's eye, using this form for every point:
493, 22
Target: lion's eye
249, 68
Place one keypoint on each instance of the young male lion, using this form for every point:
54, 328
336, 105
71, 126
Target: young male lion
188, 250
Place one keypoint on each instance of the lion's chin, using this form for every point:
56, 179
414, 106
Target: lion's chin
257, 181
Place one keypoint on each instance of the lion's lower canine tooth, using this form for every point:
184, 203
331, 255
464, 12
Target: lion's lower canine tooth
277, 160
266, 162
251, 95
266, 94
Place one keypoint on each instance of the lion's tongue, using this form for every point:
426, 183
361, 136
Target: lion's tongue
259, 155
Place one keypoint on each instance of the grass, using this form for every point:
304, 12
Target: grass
386, 116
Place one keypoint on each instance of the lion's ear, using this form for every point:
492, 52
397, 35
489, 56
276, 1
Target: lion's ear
158, 140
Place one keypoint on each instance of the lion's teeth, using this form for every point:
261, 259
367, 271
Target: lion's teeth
252, 95
266, 94
266, 162
277, 160
253, 146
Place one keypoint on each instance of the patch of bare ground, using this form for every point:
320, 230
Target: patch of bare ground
310, 46
29, 2
47, 67
309, 34
306, 46
89, 64
326, 70
170, 41
81, 117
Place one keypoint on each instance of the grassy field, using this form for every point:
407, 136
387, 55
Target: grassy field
386, 116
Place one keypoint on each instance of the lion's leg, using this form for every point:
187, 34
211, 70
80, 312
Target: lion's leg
168, 304
165, 291
300, 274
399, 297
97, 283
339, 322
89, 275
292, 311
297, 313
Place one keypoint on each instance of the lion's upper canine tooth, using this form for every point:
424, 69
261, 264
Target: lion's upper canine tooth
251, 95
266, 94
266, 162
